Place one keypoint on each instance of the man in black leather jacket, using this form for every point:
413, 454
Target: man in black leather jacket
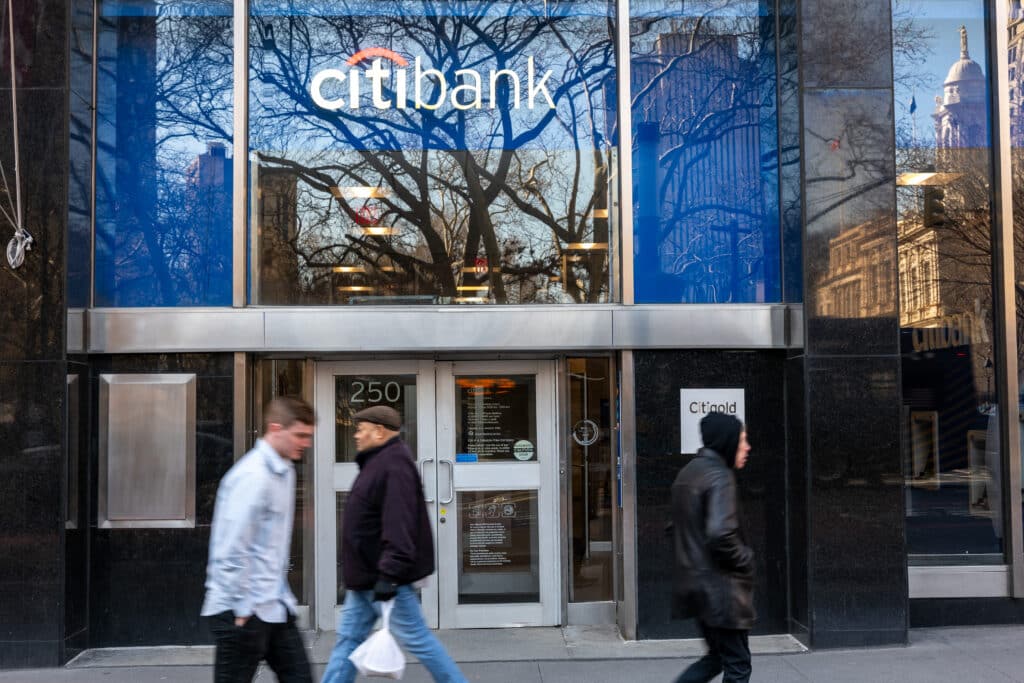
714, 565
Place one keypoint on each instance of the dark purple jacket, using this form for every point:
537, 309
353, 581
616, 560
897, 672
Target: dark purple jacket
386, 530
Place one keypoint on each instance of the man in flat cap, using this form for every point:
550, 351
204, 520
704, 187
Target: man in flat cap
387, 546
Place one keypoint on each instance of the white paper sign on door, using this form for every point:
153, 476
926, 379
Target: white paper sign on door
694, 404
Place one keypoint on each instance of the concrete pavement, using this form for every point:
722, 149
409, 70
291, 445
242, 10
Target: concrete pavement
951, 655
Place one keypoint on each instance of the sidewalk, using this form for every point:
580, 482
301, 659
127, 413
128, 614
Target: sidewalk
950, 655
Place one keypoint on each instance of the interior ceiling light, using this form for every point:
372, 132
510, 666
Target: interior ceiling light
585, 246
359, 192
599, 213
349, 269
355, 288
377, 231
473, 288
470, 300
926, 179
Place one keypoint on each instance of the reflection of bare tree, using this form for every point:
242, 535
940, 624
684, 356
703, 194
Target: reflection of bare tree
512, 188
164, 89
704, 103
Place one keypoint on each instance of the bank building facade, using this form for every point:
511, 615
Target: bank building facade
551, 235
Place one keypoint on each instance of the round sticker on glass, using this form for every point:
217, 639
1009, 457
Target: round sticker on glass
523, 450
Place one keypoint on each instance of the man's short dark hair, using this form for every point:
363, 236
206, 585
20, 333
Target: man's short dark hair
286, 411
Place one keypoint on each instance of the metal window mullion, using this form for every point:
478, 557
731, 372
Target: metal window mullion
1005, 295
625, 117
240, 145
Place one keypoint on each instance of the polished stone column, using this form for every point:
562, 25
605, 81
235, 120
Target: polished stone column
33, 363
848, 555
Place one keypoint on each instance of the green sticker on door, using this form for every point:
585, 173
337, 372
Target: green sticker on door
522, 450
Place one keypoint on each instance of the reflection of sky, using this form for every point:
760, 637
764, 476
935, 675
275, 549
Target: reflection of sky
941, 19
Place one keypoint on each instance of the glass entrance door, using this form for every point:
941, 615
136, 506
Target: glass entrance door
498, 515
484, 439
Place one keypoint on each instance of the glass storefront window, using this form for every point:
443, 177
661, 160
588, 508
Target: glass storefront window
163, 159
705, 152
439, 153
944, 204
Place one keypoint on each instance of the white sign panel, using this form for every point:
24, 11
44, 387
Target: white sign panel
694, 404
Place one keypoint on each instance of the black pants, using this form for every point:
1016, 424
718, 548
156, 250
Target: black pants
240, 649
728, 651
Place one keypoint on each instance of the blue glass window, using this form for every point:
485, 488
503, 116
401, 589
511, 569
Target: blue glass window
163, 161
705, 160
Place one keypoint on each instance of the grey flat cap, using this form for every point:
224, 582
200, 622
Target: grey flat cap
386, 416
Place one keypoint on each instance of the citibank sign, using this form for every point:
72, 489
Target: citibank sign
412, 88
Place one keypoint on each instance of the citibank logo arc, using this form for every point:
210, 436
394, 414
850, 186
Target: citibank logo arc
472, 91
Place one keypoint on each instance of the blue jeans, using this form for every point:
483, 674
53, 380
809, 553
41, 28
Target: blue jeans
407, 626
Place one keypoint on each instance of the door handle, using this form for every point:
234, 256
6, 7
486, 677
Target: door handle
422, 463
451, 482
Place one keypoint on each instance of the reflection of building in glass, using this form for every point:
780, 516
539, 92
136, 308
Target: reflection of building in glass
859, 281
276, 227
206, 247
698, 186
1015, 58
961, 113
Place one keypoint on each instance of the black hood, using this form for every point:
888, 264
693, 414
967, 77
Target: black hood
721, 433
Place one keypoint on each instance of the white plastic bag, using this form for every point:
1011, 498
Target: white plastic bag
379, 655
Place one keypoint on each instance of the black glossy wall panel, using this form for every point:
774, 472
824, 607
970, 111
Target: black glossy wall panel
31, 472
132, 567
76, 511
847, 44
32, 319
796, 495
762, 485
857, 568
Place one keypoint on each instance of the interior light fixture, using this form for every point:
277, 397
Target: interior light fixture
599, 213
377, 231
359, 192
471, 269
473, 288
349, 269
470, 300
585, 246
355, 288
926, 179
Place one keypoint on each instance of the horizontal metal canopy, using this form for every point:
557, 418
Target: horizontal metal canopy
408, 329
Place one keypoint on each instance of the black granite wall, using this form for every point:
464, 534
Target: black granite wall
33, 367
850, 469
762, 483
146, 585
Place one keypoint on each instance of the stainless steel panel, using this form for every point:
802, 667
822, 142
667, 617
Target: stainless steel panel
135, 330
439, 329
445, 329
240, 143
1005, 279
736, 326
591, 613
982, 581
76, 330
623, 65
147, 450
242, 400
795, 340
